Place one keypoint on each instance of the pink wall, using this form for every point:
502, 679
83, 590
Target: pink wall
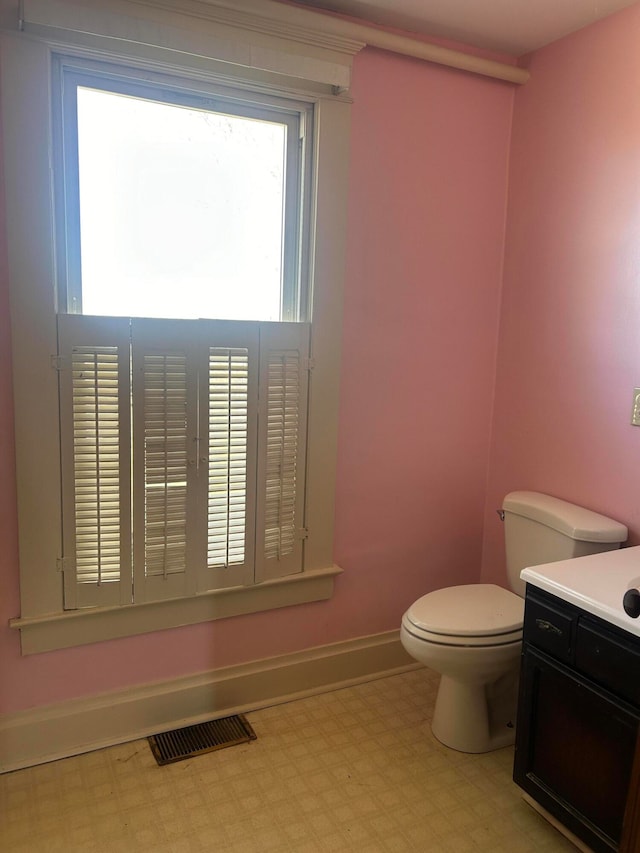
428, 177
569, 345
427, 204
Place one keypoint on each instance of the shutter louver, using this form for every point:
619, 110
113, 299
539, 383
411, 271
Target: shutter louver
284, 349
165, 463
165, 423
283, 419
96, 448
96, 462
228, 425
228, 363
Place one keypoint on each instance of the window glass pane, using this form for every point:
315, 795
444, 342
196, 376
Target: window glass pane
181, 210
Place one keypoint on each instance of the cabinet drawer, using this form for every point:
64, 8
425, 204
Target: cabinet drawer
608, 660
549, 629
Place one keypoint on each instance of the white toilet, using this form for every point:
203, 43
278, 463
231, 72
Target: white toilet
472, 634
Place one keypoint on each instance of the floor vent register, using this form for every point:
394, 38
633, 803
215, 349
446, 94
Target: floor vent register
195, 740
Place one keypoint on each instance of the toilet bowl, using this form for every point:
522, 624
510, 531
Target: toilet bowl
472, 636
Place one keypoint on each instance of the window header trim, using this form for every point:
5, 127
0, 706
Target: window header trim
198, 31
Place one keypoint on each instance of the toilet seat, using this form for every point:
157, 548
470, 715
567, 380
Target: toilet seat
469, 615
455, 640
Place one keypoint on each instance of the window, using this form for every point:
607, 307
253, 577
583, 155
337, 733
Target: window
177, 205
175, 447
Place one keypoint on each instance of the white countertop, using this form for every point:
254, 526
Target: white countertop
596, 583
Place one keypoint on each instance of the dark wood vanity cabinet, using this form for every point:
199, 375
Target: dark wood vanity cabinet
578, 721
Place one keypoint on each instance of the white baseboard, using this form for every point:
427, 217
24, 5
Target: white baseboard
81, 725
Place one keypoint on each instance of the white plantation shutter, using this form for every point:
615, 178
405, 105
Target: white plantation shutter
165, 453
284, 352
95, 429
227, 464
204, 424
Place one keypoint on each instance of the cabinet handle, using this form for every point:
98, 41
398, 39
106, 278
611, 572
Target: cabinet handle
548, 626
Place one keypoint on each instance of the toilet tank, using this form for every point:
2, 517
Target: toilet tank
541, 529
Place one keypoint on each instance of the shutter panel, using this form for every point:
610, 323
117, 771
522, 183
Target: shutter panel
228, 429
95, 446
227, 493
284, 348
206, 513
164, 403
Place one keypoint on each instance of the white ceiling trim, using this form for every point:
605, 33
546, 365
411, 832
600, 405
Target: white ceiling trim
292, 19
442, 55
305, 25
328, 42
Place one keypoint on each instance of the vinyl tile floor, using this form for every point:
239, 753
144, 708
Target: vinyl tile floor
353, 770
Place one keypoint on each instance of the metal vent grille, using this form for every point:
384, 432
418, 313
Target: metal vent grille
184, 743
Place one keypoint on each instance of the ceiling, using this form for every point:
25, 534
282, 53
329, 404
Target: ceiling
513, 27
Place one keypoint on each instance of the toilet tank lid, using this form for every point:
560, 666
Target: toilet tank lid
573, 521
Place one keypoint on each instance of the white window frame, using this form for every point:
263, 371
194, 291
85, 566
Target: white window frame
71, 72
26, 105
273, 527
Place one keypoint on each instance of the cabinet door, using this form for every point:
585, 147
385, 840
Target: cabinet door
574, 751
631, 829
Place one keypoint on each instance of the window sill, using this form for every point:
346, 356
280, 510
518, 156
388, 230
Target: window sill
80, 627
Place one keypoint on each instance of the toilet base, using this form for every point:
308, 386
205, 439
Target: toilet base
475, 717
